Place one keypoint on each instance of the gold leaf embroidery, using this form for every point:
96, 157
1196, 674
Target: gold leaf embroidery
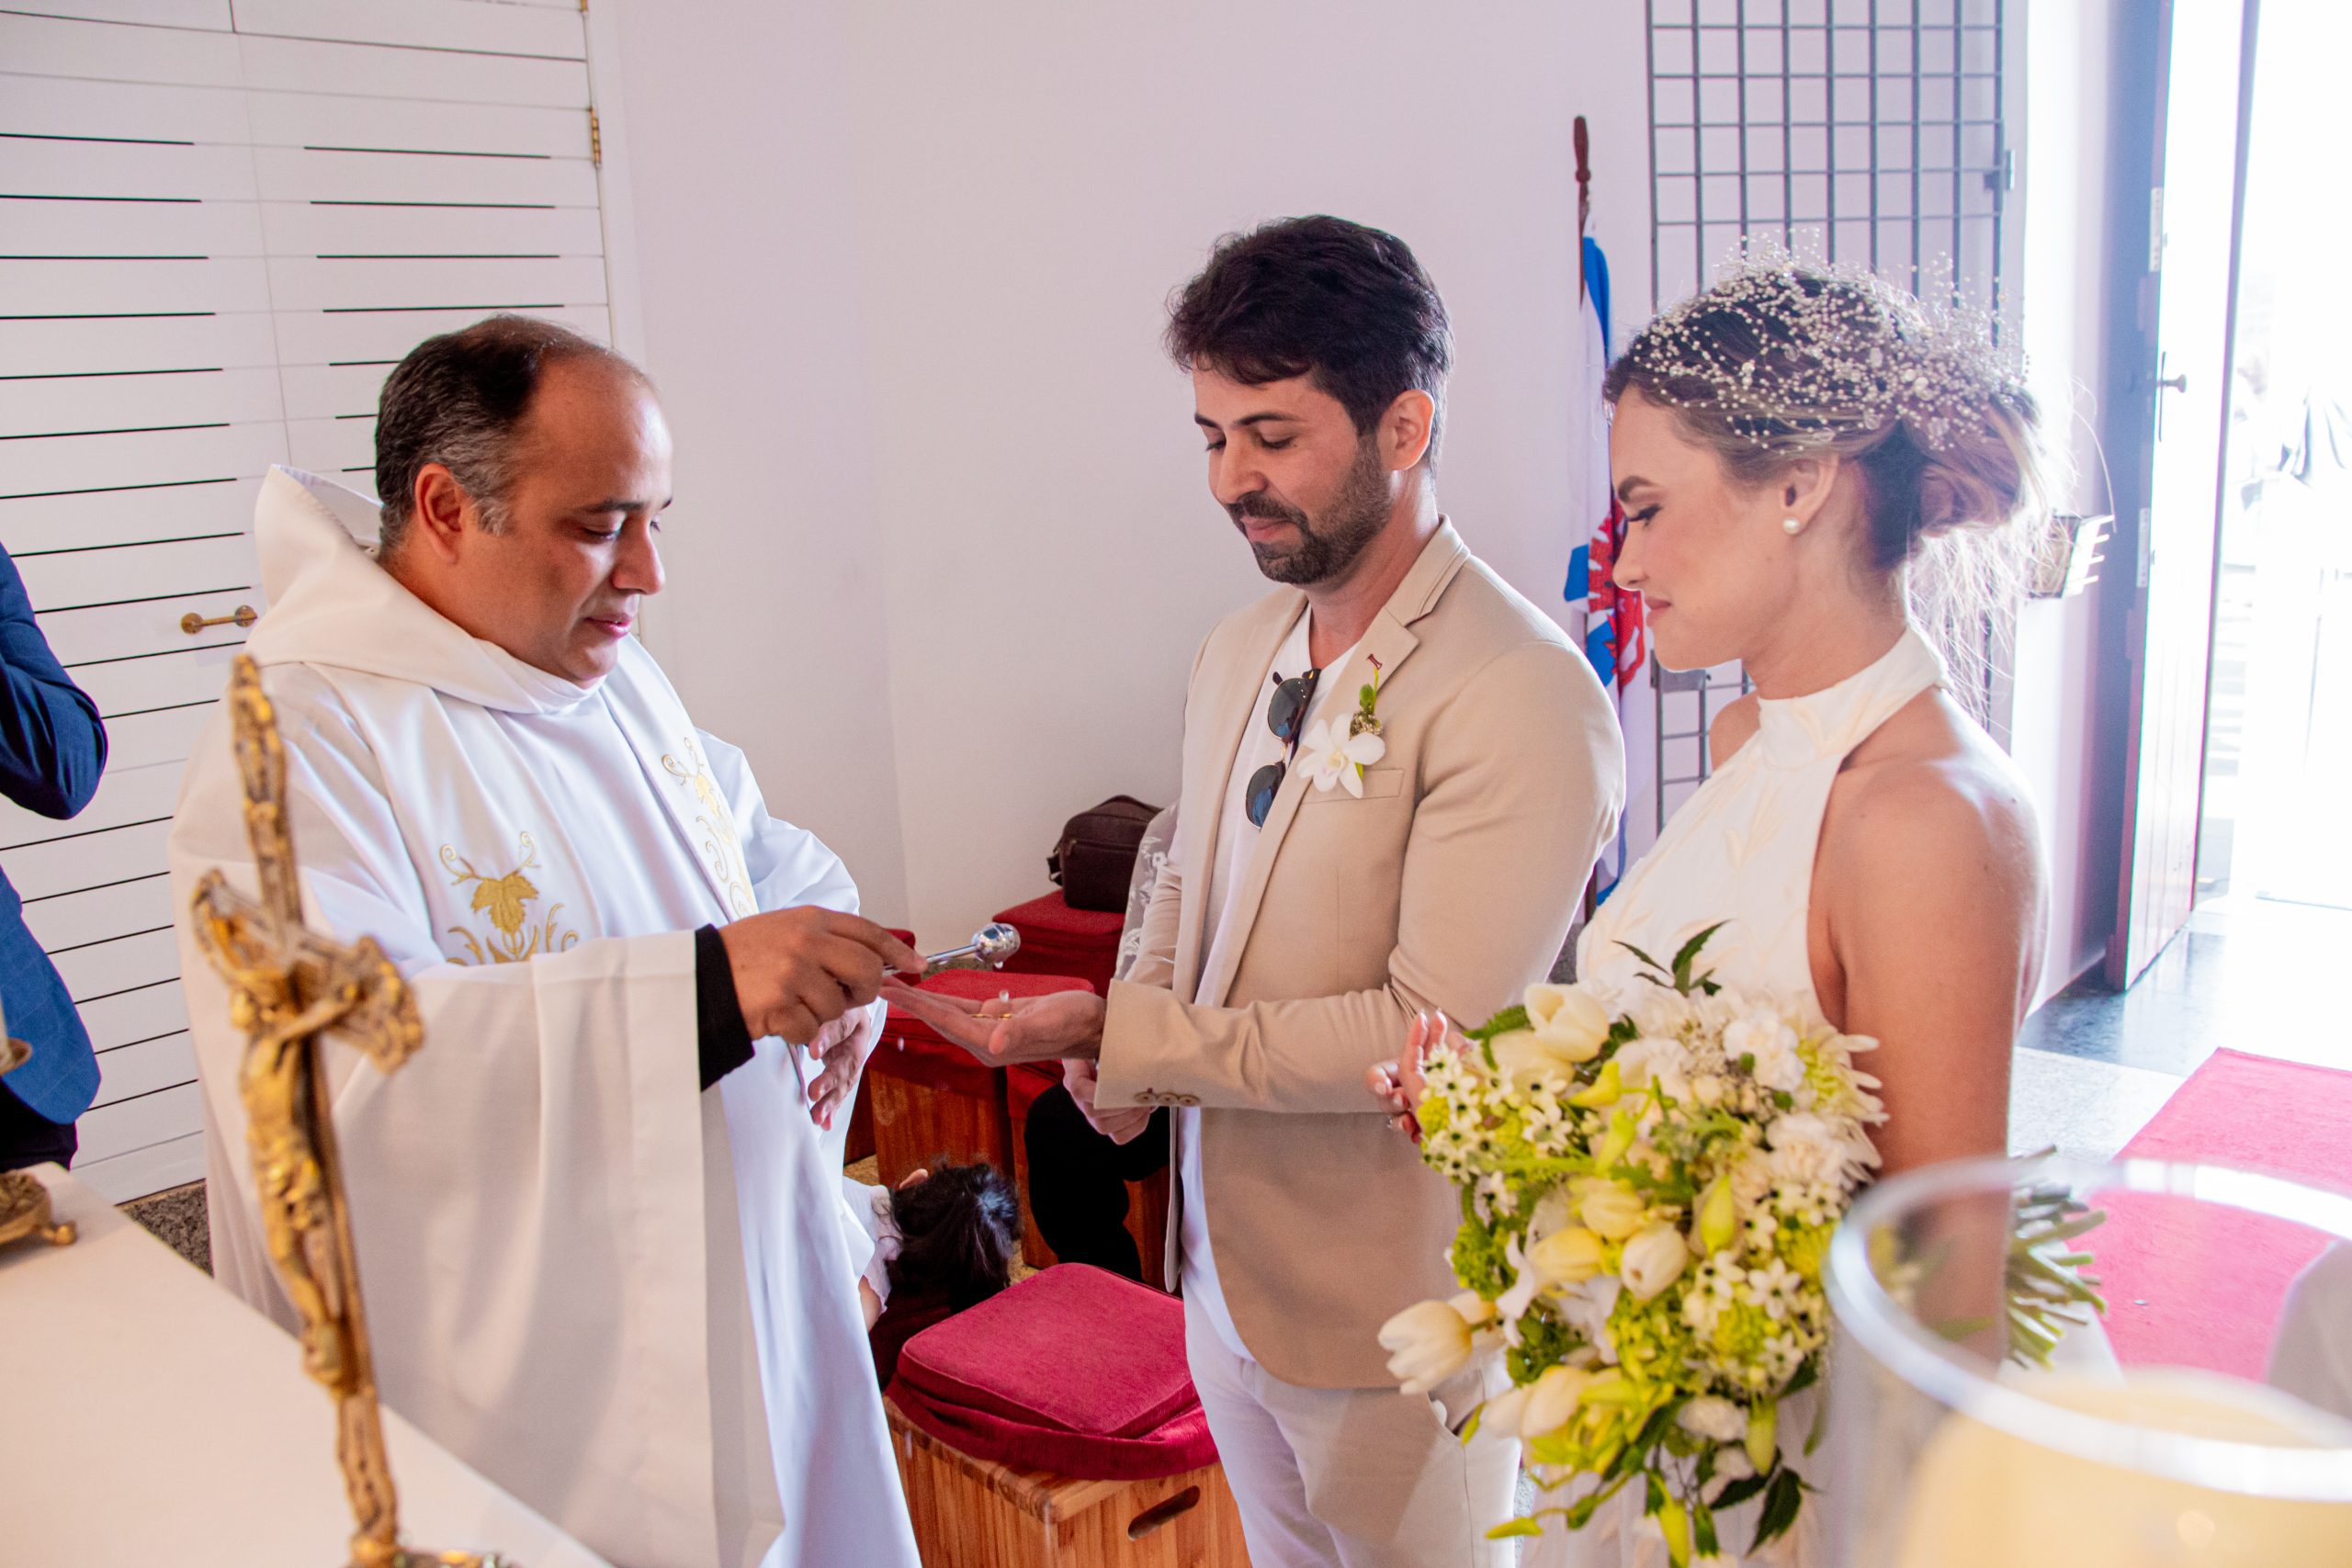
514, 936
722, 843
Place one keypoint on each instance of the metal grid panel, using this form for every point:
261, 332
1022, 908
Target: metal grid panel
1862, 130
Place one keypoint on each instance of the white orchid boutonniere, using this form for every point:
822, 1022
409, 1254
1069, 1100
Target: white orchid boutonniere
1337, 753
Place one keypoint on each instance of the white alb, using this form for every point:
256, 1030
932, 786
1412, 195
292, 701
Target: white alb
623, 1299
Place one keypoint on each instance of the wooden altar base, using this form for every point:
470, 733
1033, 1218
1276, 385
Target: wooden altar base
971, 1513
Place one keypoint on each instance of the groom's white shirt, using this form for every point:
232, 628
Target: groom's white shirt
623, 1299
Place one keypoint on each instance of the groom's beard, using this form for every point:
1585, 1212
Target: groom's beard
1327, 548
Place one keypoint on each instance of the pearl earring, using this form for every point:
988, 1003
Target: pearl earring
1793, 525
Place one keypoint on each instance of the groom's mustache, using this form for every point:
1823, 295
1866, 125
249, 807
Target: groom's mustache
1265, 508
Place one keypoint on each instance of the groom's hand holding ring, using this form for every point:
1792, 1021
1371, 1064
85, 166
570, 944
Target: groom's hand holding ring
1005, 1030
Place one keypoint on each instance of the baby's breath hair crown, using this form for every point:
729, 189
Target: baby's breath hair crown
1785, 359
1793, 354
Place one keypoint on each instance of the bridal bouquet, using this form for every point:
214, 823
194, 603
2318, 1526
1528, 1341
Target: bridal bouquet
1647, 1194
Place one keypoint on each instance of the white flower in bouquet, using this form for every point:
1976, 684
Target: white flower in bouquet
1651, 1182
1572, 1021
1610, 1209
1527, 1058
1432, 1341
1714, 1418
1654, 1260
1569, 1255
1657, 1061
1772, 1046
1814, 1151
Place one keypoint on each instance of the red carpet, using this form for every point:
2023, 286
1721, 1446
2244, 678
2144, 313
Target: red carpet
2207, 1296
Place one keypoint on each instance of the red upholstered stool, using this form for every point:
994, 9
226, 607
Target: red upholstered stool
932, 1099
860, 1142
1058, 939
1054, 1424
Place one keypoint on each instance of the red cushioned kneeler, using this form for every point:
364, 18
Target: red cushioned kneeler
1074, 1370
933, 1099
1058, 939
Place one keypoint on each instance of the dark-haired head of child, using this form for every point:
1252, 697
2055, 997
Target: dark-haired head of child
957, 1227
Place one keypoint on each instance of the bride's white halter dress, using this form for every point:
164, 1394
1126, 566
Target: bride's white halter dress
1740, 851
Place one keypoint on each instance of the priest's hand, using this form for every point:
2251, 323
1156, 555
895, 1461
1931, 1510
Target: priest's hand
1001, 1032
842, 1049
798, 970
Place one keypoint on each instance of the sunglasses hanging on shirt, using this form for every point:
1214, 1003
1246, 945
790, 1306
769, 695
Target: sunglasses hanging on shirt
1287, 716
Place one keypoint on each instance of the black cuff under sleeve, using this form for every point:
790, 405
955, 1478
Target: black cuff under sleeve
722, 1038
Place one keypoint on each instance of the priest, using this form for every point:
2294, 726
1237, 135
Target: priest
596, 1227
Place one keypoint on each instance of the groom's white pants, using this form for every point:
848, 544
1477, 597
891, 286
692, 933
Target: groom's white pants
1358, 1478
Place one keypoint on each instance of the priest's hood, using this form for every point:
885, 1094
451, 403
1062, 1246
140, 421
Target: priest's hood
331, 604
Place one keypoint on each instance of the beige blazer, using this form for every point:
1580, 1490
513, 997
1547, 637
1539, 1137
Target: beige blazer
1451, 884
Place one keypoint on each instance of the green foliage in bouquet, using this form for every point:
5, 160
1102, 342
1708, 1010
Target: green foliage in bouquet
1649, 1190
1647, 1193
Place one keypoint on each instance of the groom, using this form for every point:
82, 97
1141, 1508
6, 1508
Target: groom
1396, 774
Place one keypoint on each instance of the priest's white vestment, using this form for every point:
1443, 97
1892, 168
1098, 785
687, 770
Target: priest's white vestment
621, 1298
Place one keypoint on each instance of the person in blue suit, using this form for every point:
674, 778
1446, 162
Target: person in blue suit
52, 749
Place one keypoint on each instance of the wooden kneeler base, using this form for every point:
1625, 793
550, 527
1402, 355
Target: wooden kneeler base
972, 1513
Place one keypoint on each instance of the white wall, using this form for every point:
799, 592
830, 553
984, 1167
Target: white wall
731, 132
2065, 158
944, 546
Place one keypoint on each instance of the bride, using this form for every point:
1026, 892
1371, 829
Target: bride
1822, 482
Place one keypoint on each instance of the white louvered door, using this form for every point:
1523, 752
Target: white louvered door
220, 223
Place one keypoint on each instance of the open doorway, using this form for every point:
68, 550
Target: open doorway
2278, 727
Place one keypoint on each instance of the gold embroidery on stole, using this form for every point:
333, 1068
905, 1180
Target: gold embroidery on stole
514, 936
724, 845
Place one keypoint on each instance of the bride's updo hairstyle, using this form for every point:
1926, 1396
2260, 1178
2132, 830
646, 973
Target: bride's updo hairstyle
1784, 360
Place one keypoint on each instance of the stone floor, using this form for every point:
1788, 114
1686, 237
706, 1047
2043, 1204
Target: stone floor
2248, 974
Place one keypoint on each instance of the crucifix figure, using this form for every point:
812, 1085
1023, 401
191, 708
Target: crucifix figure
288, 985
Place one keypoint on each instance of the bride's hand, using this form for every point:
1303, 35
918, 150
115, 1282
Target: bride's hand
1398, 1084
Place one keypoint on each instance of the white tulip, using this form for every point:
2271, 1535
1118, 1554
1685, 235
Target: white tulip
1611, 1208
1474, 1309
1500, 1416
1428, 1343
1552, 1400
1570, 1019
1527, 1058
1652, 1260
1567, 1257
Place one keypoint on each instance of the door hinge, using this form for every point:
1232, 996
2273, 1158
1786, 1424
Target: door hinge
2156, 229
595, 137
2147, 548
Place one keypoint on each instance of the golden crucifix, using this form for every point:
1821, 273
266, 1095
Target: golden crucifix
287, 985
24, 1203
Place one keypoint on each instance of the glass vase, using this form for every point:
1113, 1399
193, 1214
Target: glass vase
2202, 1419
